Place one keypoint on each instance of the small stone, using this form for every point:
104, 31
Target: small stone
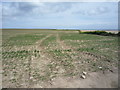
41, 87
83, 76
84, 73
111, 70
57, 67
31, 77
12, 77
100, 67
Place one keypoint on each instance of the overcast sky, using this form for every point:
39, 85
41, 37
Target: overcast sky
74, 15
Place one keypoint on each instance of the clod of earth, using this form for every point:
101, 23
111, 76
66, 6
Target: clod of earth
84, 73
83, 76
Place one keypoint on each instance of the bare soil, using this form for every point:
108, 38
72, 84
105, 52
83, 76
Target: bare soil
39, 66
103, 79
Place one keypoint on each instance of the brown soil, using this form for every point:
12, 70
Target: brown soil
93, 80
106, 79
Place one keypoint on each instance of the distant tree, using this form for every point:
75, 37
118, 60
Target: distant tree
79, 31
119, 33
103, 33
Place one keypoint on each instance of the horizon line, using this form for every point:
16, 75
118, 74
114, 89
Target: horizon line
53, 29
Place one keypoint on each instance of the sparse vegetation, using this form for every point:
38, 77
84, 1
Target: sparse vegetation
40, 56
103, 33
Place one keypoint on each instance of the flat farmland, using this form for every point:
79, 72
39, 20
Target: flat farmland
58, 59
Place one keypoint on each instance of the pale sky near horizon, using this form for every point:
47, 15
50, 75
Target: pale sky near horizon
73, 15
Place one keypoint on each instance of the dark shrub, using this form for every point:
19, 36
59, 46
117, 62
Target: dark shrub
79, 31
103, 33
119, 33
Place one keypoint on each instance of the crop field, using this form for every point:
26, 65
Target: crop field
49, 58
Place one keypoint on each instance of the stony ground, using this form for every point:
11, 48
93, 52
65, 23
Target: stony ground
58, 59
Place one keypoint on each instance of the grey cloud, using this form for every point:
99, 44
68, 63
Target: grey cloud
95, 11
17, 9
82, 12
59, 7
98, 11
27, 8
103, 9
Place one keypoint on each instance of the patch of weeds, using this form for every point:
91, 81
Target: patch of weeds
19, 54
13, 80
15, 73
59, 52
5, 73
70, 74
15, 54
86, 49
48, 75
36, 53
48, 40
42, 78
63, 59
23, 40
75, 36
52, 66
68, 50
37, 76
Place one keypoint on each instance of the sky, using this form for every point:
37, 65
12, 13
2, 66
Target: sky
60, 15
